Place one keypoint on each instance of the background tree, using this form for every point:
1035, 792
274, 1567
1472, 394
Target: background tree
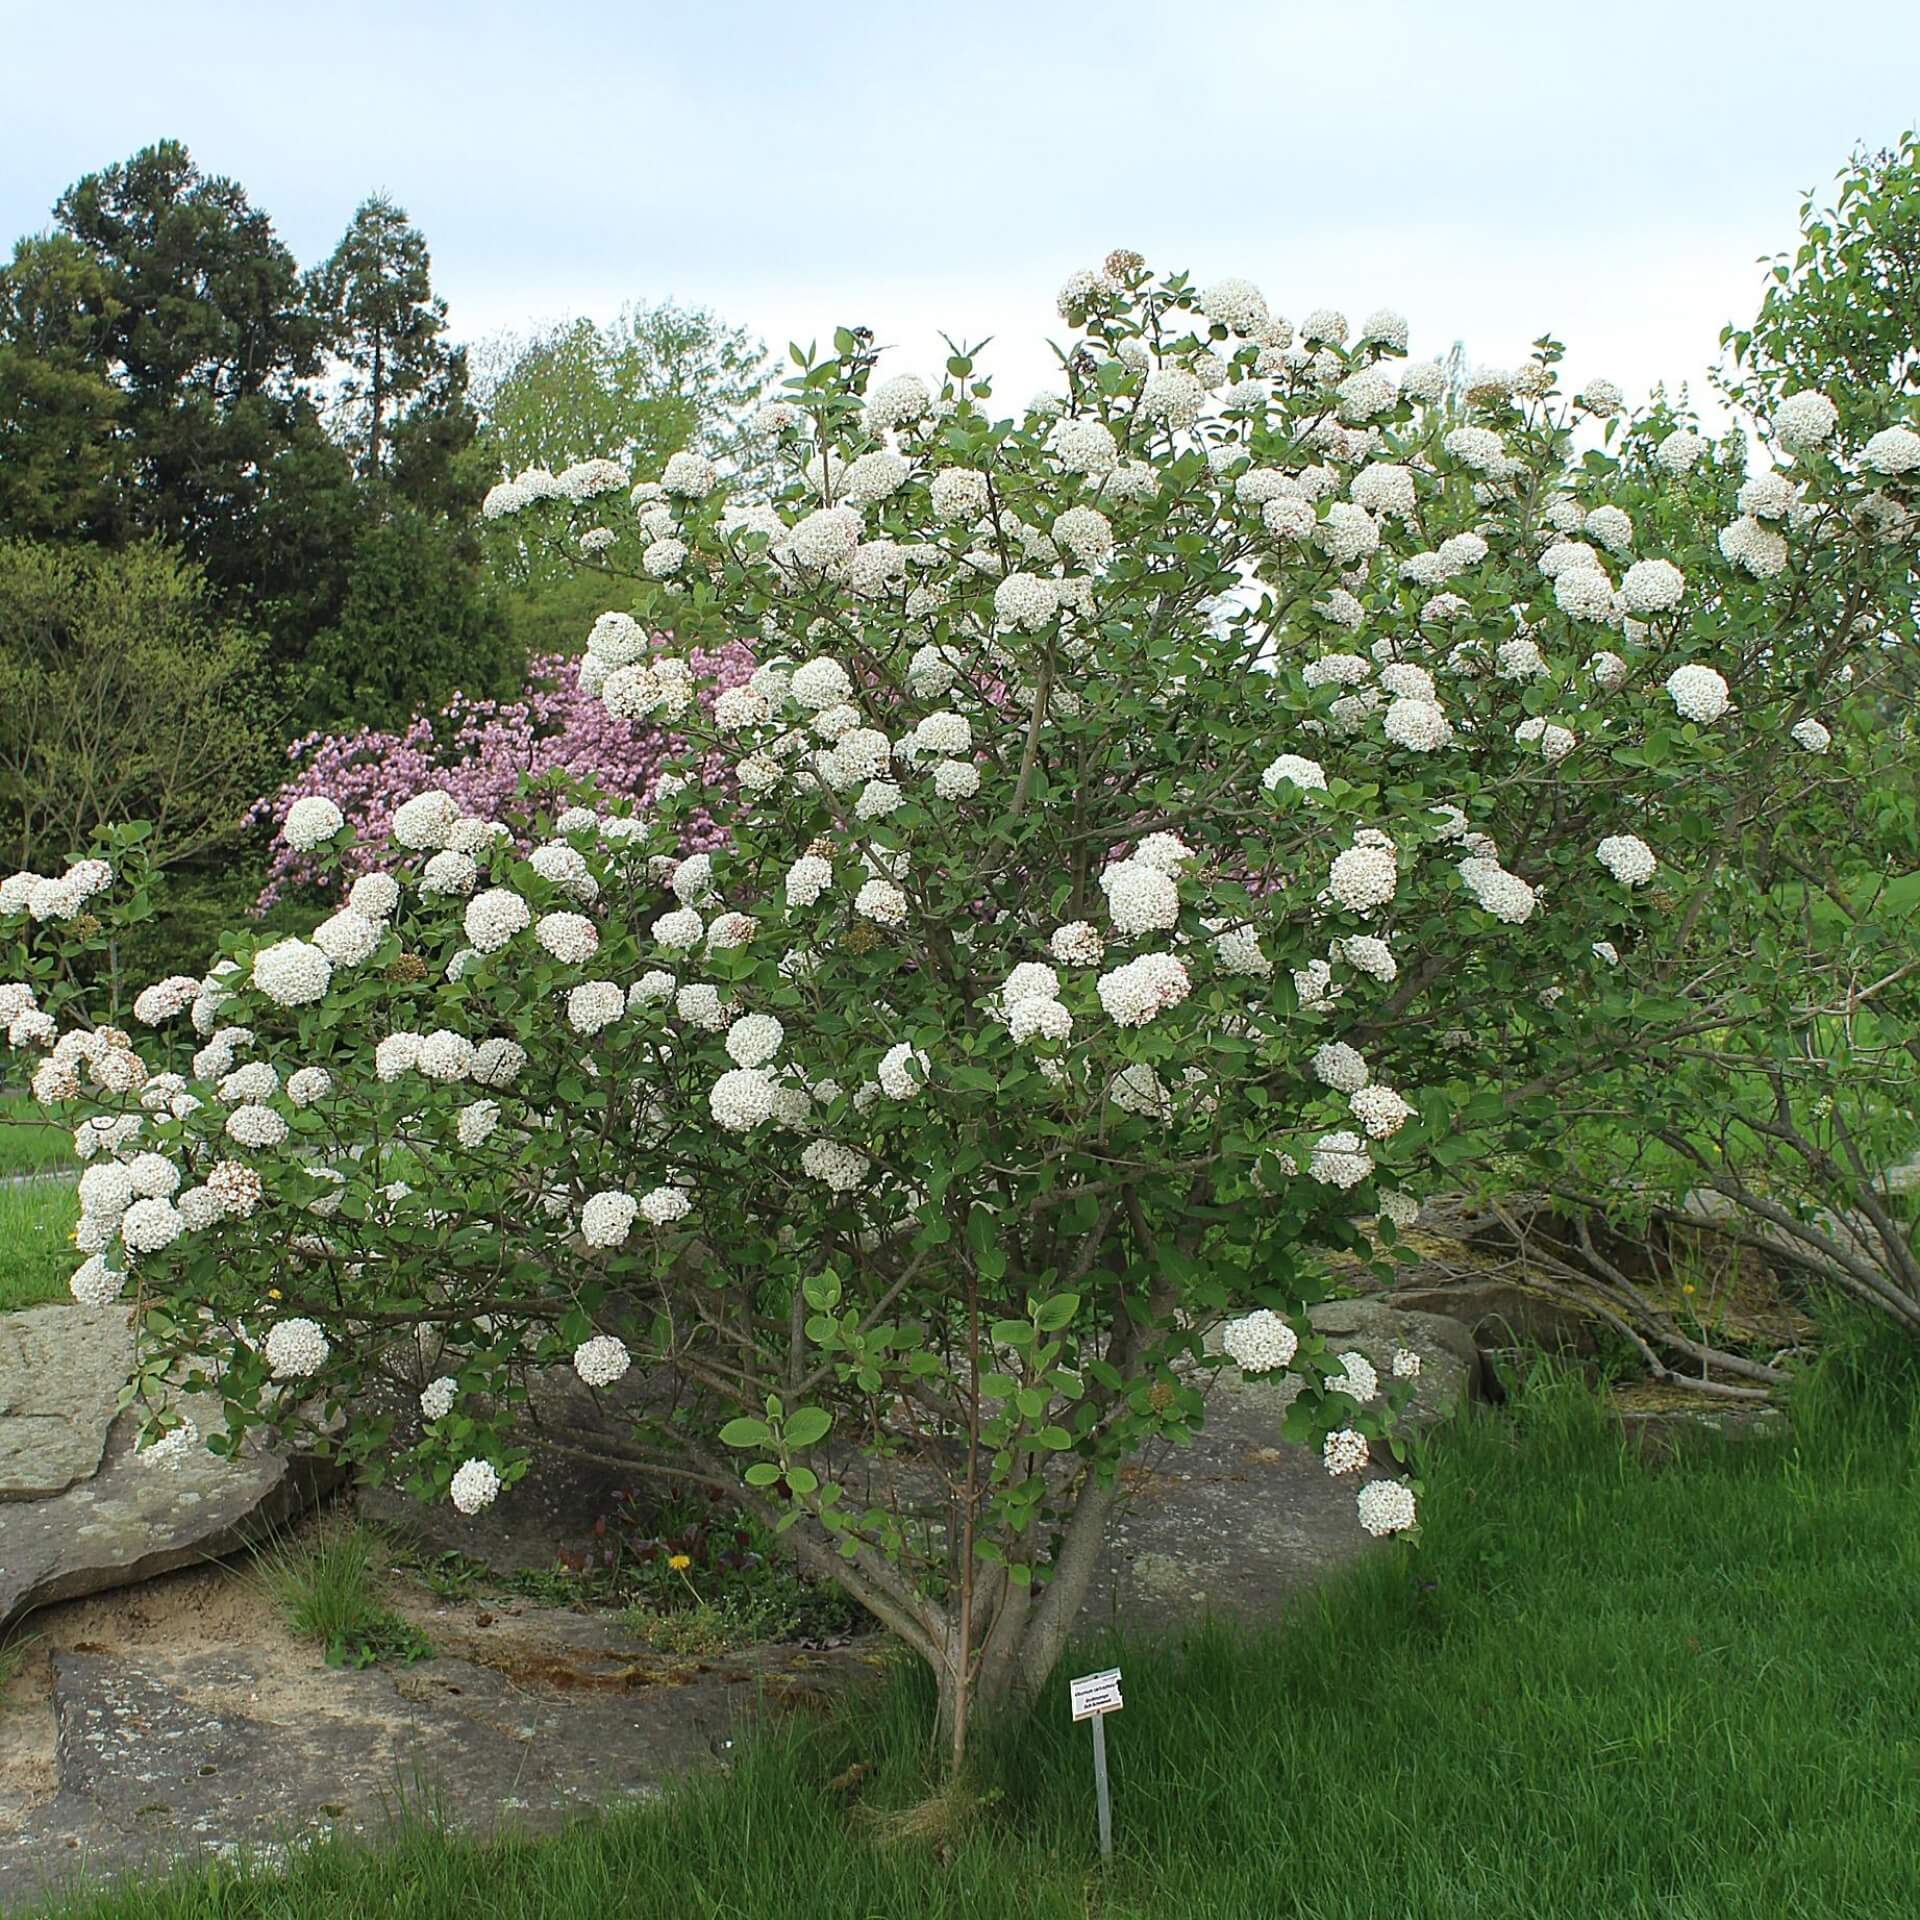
387, 327
123, 695
62, 458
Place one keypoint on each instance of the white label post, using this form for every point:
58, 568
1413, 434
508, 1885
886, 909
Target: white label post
1094, 1696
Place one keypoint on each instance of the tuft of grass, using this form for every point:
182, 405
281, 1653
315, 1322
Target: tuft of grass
325, 1584
14, 1650
36, 1247
1673, 1691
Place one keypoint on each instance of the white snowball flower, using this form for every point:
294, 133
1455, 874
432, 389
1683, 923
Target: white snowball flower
494, 917
296, 1349
1609, 670
476, 1123
1804, 421
1363, 879
256, 1126
754, 1039
398, 1053
835, 1165
1385, 1507
903, 1071
450, 873
1768, 496
1308, 775
1628, 858
1496, 891
595, 1004
150, 1224
607, 1218
1085, 446
679, 931
1172, 396
698, 1003
662, 1206
1757, 548
1519, 660
1077, 944
898, 402
1698, 693
1344, 1451
1680, 451
1339, 1160
1038, 1017
820, 683
1137, 992
311, 821
437, 1397
1357, 1379
1477, 447
475, 1487
881, 902
570, 937
1340, 1067
1140, 898
375, 895
1380, 1110
1583, 593
1418, 725
956, 779
1652, 586
95, 1284
1237, 304
1084, 532
1811, 735
1406, 1364
1261, 1342
1893, 451
498, 1063
959, 493
425, 821
292, 973
876, 476
688, 474
601, 1361
1026, 601
153, 1175
741, 1099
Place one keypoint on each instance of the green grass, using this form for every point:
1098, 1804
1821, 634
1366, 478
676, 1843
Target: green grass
30, 1143
1597, 1688
326, 1586
36, 1252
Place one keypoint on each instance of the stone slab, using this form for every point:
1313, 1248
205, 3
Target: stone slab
1238, 1523
235, 1754
135, 1518
61, 1372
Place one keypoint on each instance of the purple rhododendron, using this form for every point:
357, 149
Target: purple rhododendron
480, 751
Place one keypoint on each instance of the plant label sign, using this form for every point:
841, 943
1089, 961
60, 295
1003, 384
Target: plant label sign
1096, 1693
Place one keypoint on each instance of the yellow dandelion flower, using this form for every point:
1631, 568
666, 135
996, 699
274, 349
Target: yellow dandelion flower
680, 1562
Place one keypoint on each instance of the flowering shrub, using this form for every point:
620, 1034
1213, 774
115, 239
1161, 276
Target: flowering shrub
1164, 827
482, 752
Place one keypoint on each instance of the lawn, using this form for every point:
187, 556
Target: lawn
1597, 1687
30, 1143
36, 1250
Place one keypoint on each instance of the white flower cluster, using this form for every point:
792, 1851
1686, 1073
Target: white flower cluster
1628, 858
1261, 1342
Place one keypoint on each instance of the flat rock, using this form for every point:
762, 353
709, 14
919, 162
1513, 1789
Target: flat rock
135, 1518
243, 1754
1240, 1521
61, 1372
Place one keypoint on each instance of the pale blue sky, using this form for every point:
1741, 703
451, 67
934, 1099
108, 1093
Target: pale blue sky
1494, 170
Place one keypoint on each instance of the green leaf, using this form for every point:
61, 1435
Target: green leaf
745, 1432
1054, 1314
805, 1425
763, 1473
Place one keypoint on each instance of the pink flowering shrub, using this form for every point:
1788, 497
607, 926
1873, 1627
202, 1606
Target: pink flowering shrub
482, 752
